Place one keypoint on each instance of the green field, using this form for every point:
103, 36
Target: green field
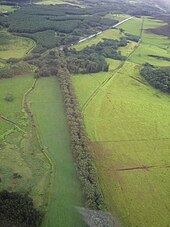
48, 110
109, 34
55, 2
49, 2
151, 44
20, 151
13, 110
128, 124
14, 46
5, 8
118, 17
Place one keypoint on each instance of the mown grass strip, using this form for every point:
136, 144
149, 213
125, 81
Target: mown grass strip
47, 107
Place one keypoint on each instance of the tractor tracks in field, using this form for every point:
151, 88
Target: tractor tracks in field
133, 140
142, 167
113, 73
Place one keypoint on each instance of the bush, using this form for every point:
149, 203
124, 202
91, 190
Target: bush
9, 97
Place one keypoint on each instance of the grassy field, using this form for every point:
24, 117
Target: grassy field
48, 110
118, 17
5, 8
21, 154
13, 110
55, 2
128, 124
109, 34
14, 46
151, 44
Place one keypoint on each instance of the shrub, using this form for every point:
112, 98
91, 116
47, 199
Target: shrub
9, 97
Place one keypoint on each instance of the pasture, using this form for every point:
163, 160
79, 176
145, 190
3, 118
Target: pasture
128, 124
151, 44
48, 110
5, 8
14, 46
118, 17
24, 167
55, 2
108, 34
13, 110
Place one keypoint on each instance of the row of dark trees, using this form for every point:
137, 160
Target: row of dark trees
157, 77
18, 210
81, 153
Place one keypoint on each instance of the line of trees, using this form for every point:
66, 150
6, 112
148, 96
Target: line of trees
81, 153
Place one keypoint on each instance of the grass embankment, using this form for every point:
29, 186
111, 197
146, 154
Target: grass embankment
14, 46
128, 124
23, 165
48, 110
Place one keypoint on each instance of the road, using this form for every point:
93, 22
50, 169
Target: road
98, 33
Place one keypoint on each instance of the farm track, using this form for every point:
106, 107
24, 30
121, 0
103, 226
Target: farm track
31, 48
115, 71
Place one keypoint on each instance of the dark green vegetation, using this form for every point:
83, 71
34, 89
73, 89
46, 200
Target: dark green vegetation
15, 69
157, 77
52, 26
18, 210
89, 60
92, 59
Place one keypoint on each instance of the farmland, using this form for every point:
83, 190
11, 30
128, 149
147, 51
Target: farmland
151, 44
48, 110
24, 168
110, 33
128, 125
4, 8
55, 2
